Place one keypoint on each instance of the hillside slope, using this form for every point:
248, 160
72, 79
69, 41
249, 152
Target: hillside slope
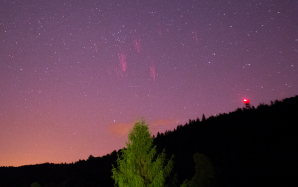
248, 147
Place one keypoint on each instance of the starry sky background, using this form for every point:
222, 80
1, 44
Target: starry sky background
75, 75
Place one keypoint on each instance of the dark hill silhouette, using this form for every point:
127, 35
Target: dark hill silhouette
247, 147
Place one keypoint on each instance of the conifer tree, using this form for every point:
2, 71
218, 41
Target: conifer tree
35, 184
138, 164
204, 176
203, 117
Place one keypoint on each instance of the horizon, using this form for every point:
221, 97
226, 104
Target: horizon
75, 75
243, 108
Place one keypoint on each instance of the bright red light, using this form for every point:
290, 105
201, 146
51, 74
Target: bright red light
246, 101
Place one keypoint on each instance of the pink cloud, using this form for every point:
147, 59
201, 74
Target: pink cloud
123, 129
120, 129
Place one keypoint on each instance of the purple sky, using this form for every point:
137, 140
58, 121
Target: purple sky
75, 75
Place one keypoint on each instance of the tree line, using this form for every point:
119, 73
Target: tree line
247, 147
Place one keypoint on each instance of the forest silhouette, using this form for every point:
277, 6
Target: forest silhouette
247, 147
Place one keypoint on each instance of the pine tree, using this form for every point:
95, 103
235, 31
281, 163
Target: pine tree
35, 184
138, 164
204, 176
203, 117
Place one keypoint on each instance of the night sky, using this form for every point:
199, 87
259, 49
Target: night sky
75, 75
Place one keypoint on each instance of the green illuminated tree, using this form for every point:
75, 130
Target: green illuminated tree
138, 164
